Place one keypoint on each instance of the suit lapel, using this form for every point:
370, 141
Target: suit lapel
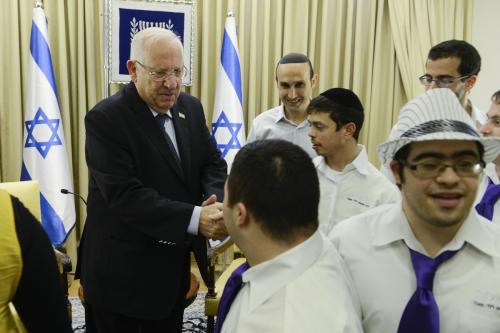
180, 120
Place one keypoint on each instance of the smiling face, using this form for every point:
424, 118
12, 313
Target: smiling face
295, 86
443, 201
159, 55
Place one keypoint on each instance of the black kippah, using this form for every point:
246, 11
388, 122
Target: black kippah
343, 97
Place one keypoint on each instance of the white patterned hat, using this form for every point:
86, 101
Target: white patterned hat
435, 115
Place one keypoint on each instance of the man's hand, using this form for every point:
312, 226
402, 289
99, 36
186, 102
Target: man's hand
211, 219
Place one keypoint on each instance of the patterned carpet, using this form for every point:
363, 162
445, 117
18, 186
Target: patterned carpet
194, 317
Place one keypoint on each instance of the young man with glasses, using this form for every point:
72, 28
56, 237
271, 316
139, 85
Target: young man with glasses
152, 162
454, 64
428, 263
488, 196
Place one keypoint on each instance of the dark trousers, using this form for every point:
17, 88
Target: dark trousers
99, 321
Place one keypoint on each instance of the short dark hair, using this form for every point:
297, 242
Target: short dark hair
295, 58
343, 105
470, 60
495, 98
278, 183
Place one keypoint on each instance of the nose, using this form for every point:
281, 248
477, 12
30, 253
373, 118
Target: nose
292, 93
448, 176
432, 85
170, 82
485, 129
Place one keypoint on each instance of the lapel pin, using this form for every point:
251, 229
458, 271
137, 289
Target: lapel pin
182, 115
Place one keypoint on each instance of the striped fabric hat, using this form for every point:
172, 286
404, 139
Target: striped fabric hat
435, 115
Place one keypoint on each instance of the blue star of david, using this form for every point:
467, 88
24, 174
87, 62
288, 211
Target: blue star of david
43, 147
233, 128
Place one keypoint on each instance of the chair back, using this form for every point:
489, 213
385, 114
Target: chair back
28, 192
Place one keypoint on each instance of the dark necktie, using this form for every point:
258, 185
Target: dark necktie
490, 197
421, 313
161, 119
231, 289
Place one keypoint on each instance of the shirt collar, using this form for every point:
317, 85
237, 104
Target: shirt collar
394, 227
157, 113
491, 171
281, 116
267, 278
360, 163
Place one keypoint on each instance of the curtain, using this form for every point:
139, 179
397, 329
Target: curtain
377, 48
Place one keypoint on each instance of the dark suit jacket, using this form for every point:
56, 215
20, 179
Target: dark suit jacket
135, 258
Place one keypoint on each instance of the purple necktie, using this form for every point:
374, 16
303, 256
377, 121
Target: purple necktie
421, 313
231, 289
490, 197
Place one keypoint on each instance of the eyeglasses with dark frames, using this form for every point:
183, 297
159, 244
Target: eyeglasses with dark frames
433, 169
441, 82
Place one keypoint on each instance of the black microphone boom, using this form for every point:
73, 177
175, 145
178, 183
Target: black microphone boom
65, 191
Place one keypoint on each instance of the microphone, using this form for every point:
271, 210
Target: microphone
65, 191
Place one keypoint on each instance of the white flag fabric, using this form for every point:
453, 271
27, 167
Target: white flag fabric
227, 122
44, 152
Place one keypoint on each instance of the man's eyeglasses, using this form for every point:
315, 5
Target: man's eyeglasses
162, 75
434, 169
441, 82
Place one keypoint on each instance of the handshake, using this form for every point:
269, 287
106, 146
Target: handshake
211, 219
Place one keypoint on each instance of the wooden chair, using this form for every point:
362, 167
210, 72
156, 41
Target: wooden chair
216, 288
28, 192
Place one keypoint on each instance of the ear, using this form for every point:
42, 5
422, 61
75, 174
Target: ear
470, 82
132, 69
395, 171
243, 215
349, 130
314, 80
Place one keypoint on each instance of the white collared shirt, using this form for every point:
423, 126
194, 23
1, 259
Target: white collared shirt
305, 289
354, 190
489, 172
466, 287
478, 116
273, 124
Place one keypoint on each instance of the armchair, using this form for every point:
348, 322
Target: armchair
28, 192
216, 288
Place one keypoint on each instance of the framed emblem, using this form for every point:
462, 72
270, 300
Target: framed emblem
124, 18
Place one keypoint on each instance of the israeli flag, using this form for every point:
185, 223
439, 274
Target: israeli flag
227, 122
44, 153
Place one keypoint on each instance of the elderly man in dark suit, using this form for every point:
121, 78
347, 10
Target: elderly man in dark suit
152, 162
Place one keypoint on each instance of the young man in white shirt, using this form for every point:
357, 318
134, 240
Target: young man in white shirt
294, 280
295, 79
455, 64
452, 64
487, 199
428, 264
349, 183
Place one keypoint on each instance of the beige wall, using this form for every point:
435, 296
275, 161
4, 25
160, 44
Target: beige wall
485, 37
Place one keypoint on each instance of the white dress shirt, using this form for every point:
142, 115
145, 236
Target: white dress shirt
354, 190
305, 289
489, 171
466, 287
273, 124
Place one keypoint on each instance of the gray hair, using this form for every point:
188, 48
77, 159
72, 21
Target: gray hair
150, 35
